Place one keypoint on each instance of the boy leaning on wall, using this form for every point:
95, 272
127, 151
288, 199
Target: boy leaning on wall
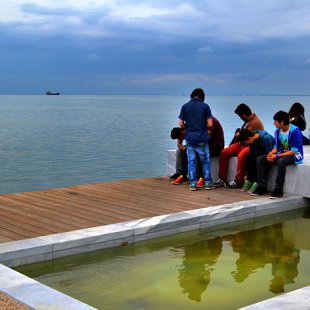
288, 150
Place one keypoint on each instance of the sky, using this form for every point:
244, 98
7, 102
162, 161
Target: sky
155, 47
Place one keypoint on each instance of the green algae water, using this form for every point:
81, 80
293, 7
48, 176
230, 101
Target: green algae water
220, 269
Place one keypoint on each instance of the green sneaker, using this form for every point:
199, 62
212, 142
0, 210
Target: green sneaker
253, 188
246, 186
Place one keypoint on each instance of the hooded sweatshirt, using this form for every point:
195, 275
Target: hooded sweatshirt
294, 143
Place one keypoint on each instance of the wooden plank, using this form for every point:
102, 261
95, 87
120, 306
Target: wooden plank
33, 214
12, 218
86, 209
88, 201
49, 210
5, 239
148, 195
120, 201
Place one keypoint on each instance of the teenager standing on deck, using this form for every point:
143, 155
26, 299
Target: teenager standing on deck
196, 117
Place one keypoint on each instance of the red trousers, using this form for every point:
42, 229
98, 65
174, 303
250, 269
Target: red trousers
235, 149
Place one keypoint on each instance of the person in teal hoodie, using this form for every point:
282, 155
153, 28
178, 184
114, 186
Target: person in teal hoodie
260, 143
288, 150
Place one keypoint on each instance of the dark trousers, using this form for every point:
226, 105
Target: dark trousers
264, 166
251, 166
305, 140
215, 150
184, 163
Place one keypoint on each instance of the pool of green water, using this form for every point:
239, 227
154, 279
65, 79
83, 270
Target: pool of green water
227, 268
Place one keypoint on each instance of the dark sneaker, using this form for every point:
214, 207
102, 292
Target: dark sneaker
226, 184
210, 186
193, 187
276, 193
185, 180
259, 191
174, 177
235, 184
219, 183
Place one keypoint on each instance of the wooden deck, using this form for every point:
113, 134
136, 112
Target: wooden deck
33, 214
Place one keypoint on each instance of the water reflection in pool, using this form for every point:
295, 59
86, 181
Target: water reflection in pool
224, 269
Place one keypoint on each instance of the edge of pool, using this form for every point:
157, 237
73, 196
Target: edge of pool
39, 296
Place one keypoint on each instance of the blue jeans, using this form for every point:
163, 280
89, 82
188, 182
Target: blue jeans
202, 149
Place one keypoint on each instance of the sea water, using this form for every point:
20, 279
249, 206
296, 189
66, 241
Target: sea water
216, 269
57, 141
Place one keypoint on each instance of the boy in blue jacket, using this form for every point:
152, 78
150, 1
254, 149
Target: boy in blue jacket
287, 150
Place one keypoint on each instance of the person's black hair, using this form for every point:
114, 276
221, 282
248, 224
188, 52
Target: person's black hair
198, 92
175, 133
296, 110
242, 108
282, 116
244, 135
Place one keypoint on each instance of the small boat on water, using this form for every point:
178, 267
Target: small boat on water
49, 93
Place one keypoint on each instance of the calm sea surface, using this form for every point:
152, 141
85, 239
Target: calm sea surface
56, 141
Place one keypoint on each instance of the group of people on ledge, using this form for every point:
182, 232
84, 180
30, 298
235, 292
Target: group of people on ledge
201, 136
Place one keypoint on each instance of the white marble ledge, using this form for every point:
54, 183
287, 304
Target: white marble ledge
217, 214
236, 220
84, 237
255, 207
19, 260
33, 247
34, 294
20, 252
74, 248
299, 299
190, 217
167, 232
164, 222
273, 206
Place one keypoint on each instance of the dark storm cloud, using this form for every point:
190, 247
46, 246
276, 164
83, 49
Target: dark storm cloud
231, 45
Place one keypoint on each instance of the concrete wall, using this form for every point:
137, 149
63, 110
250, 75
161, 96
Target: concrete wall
296, 182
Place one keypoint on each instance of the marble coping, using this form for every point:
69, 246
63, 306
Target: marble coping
39, 296
296, 181
298, 299
34, 294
